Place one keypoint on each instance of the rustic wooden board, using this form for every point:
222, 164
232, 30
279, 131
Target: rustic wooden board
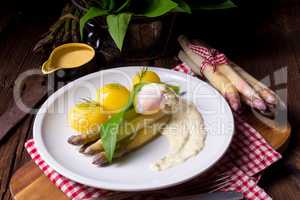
30, 183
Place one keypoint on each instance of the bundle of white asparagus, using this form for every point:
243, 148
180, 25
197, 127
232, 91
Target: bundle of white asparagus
230, 80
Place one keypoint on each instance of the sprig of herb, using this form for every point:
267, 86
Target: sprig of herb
143, 72
89, 101
175, 88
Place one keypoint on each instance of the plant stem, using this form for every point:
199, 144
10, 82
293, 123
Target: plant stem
75, 27
59, 38
68, 26
53, 36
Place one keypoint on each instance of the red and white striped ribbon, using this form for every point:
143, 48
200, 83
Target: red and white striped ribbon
212, 57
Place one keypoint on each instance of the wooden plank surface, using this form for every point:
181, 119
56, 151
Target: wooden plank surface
30, 183
15, 58
262, 40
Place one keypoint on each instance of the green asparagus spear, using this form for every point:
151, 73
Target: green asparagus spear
142, 137
126, 130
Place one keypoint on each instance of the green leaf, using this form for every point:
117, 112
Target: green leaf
117, 27
110, 129
111, 5
102, 3
157, 8
90, 14
182, 7
109, 134
123, 6
217, 6
175, 88
135, 90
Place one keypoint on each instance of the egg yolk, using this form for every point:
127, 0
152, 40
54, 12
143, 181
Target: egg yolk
113, 97
146, 77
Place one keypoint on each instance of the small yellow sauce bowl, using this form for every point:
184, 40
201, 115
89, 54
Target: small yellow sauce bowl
68, 56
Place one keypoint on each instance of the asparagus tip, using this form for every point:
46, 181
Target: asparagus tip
234, 101
82, 149
90, 151
235, 106
74, 140
100, 159
271, 106
271, 99
259, 104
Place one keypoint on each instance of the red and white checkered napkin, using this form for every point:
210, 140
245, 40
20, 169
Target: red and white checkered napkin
248, 155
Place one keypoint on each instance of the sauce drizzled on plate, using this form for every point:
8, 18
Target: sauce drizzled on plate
185, 134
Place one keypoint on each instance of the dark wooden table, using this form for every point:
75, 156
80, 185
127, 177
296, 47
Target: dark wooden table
264, 39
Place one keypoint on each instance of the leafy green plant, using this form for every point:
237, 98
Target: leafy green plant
118, 13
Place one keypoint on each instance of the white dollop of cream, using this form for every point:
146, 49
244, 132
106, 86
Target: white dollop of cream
185, 134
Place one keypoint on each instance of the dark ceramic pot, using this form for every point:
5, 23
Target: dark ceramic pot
146, 38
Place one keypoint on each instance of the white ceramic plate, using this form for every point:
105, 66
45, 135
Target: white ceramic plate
133, 173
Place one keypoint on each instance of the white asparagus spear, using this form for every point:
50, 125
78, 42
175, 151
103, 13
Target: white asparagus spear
220, 82
268, 112
267, 94
241, 85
